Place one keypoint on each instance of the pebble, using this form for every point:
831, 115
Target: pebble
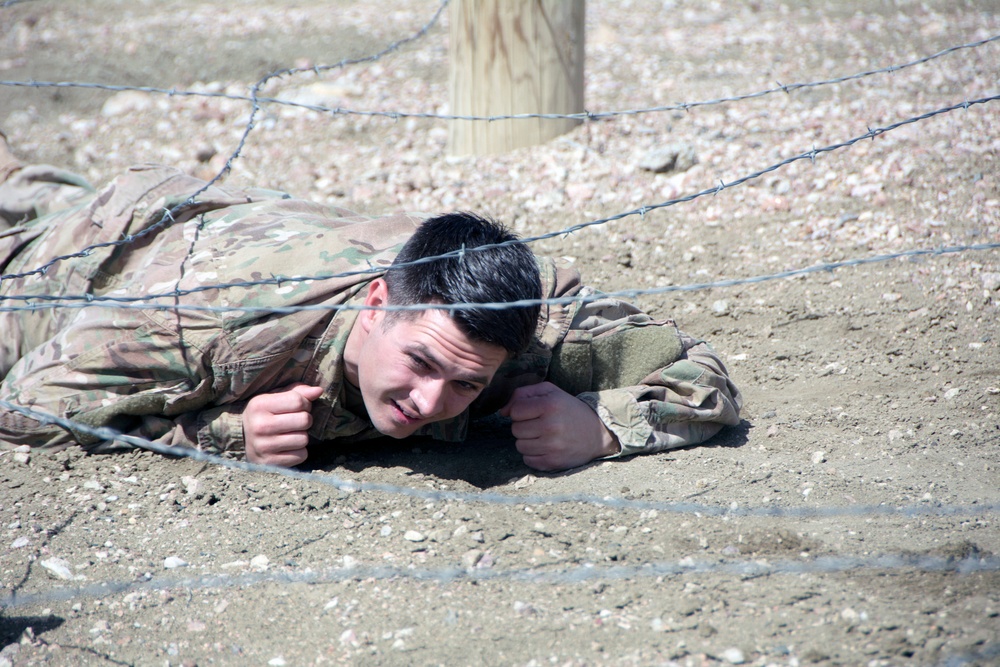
58, 568
192, 485
818, 457
952, 393
21, 457
20, 542
413, 536
672, 157
720, 308
173, 562
471, 558
386, 531
127, 101
525, 481
260, 562
733, 656
991, 281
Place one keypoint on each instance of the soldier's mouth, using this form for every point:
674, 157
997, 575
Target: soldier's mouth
403, 415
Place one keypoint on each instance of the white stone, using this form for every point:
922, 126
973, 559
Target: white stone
733, 656
413, 536
260, 562
173, 562
58, 568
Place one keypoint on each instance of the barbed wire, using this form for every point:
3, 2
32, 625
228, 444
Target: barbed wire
811, 155
746, 569
168, 215
491, 498
67, 301
141, 303
396, 115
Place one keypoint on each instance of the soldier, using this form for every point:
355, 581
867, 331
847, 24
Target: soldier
228, 320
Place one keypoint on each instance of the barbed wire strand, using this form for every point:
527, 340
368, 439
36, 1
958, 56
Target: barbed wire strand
141, 303
747, 569
586, 115
811, 155
350, 486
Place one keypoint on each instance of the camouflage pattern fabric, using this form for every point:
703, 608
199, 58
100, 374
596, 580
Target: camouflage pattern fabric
182, 376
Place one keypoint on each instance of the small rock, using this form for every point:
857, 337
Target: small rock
818, 457
99, 627
523, 608
93, 485
260, 562
524, 482
127, 101
21, 457
991, 281
277, 662
192, 485
20, 542
952, 393
386, 531
720, 308
849, 614
58, 569
733, 656
471, 558
478, 536
413, 536
173, 562
672, 157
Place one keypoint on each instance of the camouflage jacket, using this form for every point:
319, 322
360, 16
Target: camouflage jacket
181, 372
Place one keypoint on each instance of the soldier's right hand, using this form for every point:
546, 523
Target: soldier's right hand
276, 425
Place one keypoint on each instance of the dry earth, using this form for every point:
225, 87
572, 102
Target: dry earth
872, 391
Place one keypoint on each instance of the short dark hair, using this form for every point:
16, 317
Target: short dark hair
505, 273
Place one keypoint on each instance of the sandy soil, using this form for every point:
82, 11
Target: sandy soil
851, 519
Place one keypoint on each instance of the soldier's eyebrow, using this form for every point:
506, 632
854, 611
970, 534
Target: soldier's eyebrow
424, 351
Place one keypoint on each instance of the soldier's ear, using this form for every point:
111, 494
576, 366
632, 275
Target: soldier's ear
378, 296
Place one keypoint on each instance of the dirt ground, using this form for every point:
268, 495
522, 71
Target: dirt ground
872, 392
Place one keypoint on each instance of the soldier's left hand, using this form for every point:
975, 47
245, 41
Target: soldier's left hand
556, 430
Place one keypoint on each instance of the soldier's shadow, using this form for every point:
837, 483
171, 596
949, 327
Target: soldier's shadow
487, 458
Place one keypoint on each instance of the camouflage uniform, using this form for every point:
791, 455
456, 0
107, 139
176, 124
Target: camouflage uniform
182, 377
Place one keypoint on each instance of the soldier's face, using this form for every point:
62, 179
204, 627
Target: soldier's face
414, 370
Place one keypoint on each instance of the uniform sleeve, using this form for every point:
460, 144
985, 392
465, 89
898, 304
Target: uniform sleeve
212, 429
652, 385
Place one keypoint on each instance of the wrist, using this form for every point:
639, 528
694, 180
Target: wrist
610, 445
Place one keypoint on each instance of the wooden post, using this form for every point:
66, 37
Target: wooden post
514, 57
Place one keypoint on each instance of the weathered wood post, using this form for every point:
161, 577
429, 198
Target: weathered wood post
514, 57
